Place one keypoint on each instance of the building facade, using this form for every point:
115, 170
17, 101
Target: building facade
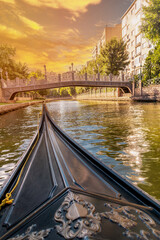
107, 35
137, 46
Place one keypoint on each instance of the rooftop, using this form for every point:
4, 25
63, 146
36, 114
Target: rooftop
129, 9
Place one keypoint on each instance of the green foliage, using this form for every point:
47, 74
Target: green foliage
44, 92
95, 66
114, 57
72, 91
36, 74
151, 21
151, 67
7, 63
55, 93
83, 70
64, 92
151, 29
147, 68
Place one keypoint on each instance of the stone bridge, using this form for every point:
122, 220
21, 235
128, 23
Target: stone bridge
11, 87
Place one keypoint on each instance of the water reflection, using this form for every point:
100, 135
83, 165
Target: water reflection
119, 134
16, 131
122, 135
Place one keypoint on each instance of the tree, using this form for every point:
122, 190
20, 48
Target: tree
114, 57
8, 63
147, 69
151, 29
72, 91
63, 92
151, 67
151, 21
38, 75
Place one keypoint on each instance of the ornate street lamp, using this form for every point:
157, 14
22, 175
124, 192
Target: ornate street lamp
1, 70
45, 72
72, 67
6, 75
1, 76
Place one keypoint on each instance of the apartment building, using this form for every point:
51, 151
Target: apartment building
107, 35
137, 46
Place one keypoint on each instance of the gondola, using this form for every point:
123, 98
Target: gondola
61, 191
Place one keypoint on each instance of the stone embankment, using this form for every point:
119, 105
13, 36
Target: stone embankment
147, 94
12, 107
103, 96
15, 106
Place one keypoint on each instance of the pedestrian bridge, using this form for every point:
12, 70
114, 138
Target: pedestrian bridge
11, 87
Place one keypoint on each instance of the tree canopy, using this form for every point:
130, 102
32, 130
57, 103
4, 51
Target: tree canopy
8, 63
151, 30
151, 21
114, 57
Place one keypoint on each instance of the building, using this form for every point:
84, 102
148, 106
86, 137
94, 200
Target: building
137, 46
107, 35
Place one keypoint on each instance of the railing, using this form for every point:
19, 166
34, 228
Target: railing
69, 76
151, 82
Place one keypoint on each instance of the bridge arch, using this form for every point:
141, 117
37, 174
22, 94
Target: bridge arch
10, 92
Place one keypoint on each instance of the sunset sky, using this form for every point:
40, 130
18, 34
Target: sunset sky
56, 32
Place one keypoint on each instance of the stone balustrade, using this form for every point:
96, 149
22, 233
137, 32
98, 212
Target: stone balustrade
68, 76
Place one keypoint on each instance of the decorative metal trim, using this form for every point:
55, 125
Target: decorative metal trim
124, 216
77, 218
32, 235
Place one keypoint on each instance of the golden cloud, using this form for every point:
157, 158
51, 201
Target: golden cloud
75, 6
11, 32
8, 1
31, 24
40, 40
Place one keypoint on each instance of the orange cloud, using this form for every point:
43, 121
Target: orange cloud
39, 39
11, 32
75, 6
8, 1
31, 24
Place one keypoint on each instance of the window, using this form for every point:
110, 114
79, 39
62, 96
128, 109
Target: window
138, 39
138, 28
137, 61
138, 5
144, 56
138, 50
124, 31
132, 54
144, 45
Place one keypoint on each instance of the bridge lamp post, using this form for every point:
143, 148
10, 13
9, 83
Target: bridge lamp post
98, 65
141, 72
45, 72
1, 70
72, 67
134, 73
6, 75
1, 76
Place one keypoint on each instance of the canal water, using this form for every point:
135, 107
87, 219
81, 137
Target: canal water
125, 136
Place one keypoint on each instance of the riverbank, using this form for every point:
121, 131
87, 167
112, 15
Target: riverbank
15, 106
103, 96
7, 107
